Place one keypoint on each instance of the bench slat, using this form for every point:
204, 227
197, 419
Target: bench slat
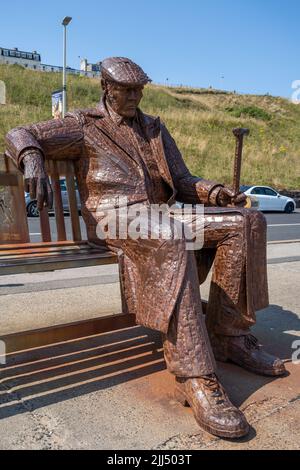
45, 225
48, 250
48, 253
73, 202
65, 257
20, 246
58, 205
53, 265
43, 254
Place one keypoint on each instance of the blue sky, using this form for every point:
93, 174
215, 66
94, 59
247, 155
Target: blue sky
253, 44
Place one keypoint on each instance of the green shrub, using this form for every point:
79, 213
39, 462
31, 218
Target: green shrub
251, 111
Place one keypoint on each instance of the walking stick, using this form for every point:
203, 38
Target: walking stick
239, 134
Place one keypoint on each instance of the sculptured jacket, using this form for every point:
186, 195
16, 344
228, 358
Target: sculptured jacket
108, 168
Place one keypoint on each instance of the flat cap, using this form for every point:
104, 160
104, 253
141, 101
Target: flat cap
123, 71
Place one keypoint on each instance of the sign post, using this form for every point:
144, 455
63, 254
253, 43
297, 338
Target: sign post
57, 104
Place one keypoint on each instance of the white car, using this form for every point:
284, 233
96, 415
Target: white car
267, 199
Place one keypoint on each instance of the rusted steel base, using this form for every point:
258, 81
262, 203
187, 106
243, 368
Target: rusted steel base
57, 334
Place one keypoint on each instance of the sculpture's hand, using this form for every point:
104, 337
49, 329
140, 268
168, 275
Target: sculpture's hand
36, 179
227, 197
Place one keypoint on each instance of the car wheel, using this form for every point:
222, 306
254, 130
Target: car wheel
289, 208
32, 210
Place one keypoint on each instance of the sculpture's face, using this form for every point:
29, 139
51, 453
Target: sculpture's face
124, 100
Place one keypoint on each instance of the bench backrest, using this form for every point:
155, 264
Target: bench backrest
13, 220
13, 202
56, 170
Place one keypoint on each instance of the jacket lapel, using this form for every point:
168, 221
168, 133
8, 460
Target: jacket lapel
153, 132
108, 127
152, 129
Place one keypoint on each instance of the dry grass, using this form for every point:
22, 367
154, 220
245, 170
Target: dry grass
200, 120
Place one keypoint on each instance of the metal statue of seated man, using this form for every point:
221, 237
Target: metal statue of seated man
121, 152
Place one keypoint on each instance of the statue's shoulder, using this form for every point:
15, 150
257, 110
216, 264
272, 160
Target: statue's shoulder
151, 120
83, 115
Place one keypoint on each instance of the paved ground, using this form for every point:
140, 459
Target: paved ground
112, 391
283, 226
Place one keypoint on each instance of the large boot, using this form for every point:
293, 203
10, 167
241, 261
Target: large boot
246, 352
211, 406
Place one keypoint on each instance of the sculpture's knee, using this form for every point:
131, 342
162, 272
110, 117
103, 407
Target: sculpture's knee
178, 244
258, 221
254, 218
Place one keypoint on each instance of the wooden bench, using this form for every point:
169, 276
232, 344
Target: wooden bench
20, 255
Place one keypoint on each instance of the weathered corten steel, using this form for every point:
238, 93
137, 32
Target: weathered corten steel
239, 134
120, 151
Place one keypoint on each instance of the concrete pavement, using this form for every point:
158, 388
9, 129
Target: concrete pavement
112, 391
39, 300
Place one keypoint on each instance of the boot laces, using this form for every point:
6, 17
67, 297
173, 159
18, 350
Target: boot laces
214, 386
251, 342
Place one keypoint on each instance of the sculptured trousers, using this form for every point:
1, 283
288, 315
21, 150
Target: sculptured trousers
232, 237
235, 243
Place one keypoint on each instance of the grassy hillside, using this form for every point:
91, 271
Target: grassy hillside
200, 120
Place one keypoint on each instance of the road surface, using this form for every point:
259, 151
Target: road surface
280, 227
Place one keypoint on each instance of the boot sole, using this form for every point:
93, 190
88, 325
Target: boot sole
181, 397
265, 372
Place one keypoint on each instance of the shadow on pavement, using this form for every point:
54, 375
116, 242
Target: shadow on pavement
274, 329
75, 368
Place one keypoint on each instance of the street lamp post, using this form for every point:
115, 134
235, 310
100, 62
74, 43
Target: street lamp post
65, 23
